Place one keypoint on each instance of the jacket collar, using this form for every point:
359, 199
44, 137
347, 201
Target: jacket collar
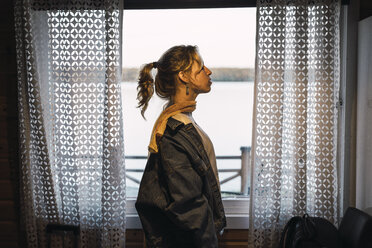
173, 123
190, 133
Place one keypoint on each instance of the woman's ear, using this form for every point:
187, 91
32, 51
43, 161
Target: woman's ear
183, 76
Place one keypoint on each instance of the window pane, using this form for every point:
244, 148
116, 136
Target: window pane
226, 41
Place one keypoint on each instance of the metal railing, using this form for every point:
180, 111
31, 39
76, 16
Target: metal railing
243, 172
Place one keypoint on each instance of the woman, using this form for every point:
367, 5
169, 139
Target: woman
179, 200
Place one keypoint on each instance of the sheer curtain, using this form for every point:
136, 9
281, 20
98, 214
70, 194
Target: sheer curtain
71, 135
296, 95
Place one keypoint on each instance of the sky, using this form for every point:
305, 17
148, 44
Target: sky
225, 37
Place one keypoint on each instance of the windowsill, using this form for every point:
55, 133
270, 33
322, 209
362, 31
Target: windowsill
236, 210
233, 222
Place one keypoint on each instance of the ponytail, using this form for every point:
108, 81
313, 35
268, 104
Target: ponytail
145, 87
174, 60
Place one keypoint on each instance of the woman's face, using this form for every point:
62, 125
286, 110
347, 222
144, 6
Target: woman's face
200, 82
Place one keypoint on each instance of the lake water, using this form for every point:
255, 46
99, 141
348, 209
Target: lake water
225, 114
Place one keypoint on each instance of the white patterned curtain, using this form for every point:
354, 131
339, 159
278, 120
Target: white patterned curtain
71, 136
296, 95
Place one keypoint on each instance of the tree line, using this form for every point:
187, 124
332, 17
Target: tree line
218, 74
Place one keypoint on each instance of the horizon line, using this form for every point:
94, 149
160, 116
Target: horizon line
225, 67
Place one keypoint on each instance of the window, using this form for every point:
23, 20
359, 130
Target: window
225, 113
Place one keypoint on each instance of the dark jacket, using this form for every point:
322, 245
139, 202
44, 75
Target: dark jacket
179, 201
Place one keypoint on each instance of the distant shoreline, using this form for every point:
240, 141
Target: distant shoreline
219, 74
213, 81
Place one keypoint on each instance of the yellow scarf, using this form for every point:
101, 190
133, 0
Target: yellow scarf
161, 122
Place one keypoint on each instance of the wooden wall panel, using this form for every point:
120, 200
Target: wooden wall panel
233, 238
5, 172
134, 238
9, 196
9, 234
8, 211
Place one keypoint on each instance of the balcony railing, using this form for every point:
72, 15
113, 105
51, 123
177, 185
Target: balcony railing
243, 172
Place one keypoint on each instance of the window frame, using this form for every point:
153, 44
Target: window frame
236, 209
187, 4
347, 117
237, 219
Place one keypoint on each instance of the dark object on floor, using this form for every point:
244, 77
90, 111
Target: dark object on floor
309, 232
356, 229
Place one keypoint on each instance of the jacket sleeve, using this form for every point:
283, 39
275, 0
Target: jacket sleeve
188, 208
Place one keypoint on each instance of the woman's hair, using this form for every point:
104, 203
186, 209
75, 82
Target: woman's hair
174, 60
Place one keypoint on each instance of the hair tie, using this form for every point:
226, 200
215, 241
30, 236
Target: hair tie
155, 65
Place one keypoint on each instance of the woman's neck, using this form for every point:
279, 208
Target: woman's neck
181, 96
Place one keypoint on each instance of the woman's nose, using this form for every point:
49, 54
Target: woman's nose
209, 72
